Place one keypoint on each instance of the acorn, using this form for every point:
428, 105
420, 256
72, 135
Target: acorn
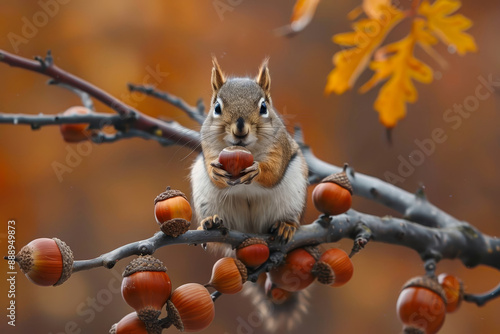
228, 275
191, 308
76, 132
341, 265
421, 305
333, 195
234, 159
131, 324
46, 261
253, 252
453, 289
173, 212
296, 273
146, 287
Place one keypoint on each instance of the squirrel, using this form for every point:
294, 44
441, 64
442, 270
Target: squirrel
267, 197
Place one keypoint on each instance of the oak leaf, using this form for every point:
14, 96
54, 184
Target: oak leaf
368, 34
401, 67
450, 29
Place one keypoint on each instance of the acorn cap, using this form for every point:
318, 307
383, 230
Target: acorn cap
428, 283
243, 270
252, 241
67, 257
144, 263
174, 316
324, 272
169, 193
314, 251
341, 179
175, 227
149, 316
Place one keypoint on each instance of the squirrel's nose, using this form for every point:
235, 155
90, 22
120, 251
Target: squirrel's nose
240, 124
240, 128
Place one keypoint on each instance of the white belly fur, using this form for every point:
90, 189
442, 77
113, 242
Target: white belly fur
250, 207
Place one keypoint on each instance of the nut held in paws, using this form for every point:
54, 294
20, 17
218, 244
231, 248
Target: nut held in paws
234, 159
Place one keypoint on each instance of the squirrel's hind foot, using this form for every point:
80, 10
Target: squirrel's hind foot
284, 231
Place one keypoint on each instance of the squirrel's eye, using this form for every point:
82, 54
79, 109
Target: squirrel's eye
217, 109
263, 109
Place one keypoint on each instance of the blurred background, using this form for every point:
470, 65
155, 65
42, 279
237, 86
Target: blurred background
107, 199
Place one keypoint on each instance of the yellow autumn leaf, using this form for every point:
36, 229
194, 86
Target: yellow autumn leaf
401, 67
368, 34
450, 29
302, 14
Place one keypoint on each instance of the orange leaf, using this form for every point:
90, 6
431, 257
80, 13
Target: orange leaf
401, 67
368, 34
450, 29
303, 12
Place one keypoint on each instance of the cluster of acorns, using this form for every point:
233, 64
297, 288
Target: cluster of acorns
146, 287
301, 267
424, 302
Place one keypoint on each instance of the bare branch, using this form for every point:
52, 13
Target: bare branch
482, 299
432, 244
414, 207
139, 121
196, 113
86, 100
96, 120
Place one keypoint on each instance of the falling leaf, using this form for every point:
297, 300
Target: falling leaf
368, 34
450, 29
303, 12
401, 67
375, 8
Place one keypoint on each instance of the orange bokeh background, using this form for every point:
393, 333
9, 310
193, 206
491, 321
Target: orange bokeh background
107, 199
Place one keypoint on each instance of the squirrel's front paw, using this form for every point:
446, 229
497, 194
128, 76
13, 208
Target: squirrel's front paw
218, 174
247, 175
211, 222
284, 231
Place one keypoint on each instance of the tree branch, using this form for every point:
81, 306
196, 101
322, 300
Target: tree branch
196, 113
464, 243
96, 120
414, 207
139, 121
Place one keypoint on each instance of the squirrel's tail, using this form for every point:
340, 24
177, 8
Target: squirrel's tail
280, 311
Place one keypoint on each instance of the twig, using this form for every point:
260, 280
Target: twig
96, 120
482, 299
196, 113
84, 96
138, 120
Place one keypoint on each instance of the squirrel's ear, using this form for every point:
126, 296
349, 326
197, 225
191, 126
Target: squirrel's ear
217, 75
264, 79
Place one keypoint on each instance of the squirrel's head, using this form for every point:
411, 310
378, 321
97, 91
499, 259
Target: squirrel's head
241, 111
